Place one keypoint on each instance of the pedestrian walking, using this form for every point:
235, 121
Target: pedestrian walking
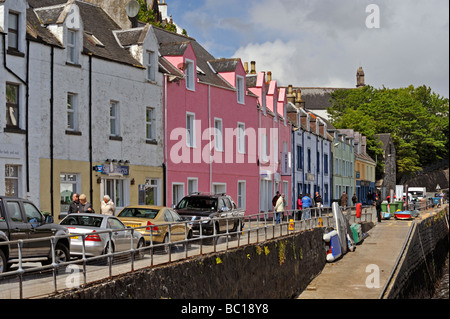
280, 208
108, 206
306, 204
344, 200
354, 199
85, 206
275, 199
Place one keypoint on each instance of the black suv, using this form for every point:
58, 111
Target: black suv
21, 220
218, 210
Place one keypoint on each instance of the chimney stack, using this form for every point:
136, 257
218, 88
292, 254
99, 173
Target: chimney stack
299, 103
253, 67
360, 80
290, 95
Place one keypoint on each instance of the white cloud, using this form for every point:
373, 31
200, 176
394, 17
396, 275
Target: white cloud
322, 43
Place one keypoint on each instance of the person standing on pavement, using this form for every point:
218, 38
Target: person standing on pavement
378, 207
344, 200
85, 207
74, 207
306, 203
280, 207
108, 207
354, 199
318, 202
299, 206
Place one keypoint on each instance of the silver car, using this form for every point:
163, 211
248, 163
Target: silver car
98, 240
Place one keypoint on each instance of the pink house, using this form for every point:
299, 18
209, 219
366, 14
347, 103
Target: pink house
275, 138
211, 124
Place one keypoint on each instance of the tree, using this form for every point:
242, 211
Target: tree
417, 118
147, 15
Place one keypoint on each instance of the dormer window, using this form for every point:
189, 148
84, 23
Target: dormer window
190, 75
72, 46
13, 31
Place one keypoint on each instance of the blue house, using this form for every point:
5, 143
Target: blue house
311, 151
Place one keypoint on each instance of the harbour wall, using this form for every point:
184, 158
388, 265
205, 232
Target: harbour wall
420, 267
276, 269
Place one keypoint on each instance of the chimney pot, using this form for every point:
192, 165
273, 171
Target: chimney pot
246, 67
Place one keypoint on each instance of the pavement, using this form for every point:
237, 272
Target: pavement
363, 273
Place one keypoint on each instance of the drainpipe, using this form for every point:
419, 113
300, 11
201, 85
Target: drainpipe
91, 191
52, 61
165, 141
27, 132
27, 164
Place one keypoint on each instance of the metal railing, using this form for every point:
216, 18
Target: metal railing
28, 280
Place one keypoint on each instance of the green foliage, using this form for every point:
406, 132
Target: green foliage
146, 15
417, 118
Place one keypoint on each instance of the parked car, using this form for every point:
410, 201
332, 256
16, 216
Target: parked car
217, 211
159, 217
97, 241
21, 220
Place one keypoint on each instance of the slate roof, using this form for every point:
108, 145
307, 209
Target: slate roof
173, 44
99, 37
317, 98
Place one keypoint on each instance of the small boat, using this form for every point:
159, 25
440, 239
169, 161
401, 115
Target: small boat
403, 215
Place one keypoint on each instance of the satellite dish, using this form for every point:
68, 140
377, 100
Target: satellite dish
133, 8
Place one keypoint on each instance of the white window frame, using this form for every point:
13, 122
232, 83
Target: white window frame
240, 87
192, 181
218, 134
242, 194
190, 74
180, 196
150, 123
149, 184
151, 74
241, 145
72, 111
190, 129
114, 118
13, 107
15, 180
224, 185
72, 46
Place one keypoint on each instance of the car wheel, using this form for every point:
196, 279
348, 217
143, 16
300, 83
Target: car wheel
140, 254
108, 249
3, 264
166, 247
61, 255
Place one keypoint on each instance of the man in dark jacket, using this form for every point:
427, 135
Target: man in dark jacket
378, 206
74, 207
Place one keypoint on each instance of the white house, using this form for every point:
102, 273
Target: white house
94, 106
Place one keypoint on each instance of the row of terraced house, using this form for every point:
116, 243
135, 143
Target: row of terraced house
93, 103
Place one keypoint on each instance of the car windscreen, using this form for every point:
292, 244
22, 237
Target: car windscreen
139, 213
198, 203
75, 220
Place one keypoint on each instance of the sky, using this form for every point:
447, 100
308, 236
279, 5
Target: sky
322, 43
